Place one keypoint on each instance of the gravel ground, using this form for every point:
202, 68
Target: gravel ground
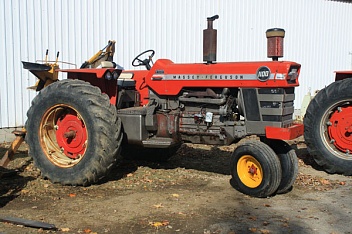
188, 194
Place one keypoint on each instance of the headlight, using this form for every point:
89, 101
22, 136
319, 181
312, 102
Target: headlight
108, 75
292, 75
115, 75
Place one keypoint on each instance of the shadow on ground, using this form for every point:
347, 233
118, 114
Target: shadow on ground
213, 160
11, 182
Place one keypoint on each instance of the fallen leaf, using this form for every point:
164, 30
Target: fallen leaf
72, 194
252, 218
267, 205
87, 230
175, 195
252, 229
325, 182
64, 229
342, 183
158, 205
24, 191
159, 224
129, 175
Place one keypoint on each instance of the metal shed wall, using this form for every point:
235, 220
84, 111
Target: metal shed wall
318, 35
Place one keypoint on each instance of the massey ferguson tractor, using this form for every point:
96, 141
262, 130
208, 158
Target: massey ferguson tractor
78, 127
328, 125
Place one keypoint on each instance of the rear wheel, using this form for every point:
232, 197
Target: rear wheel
73, 133
255, 169
328, 127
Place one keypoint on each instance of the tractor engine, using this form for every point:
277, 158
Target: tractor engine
208, 116
220, 116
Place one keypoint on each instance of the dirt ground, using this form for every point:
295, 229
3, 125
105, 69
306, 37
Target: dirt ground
188, 194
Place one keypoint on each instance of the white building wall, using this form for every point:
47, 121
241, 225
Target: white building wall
318, 35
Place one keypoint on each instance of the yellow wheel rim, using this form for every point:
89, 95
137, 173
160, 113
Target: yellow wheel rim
249, 171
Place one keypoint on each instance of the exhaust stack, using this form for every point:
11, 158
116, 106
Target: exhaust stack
275, 37
210, 41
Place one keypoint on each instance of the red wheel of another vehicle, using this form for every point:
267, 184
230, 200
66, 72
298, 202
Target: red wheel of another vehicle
328, 127
340, 128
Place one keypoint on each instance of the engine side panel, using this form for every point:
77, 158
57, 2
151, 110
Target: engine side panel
168, 78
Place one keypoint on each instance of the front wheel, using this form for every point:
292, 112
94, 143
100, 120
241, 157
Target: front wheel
289, 163
328, 127
73, 133
255, 169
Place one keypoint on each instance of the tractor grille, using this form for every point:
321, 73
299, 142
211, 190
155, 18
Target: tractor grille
267, 107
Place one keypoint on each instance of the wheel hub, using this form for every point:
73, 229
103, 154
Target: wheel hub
252, 170
249, 171
71, 135
340, 129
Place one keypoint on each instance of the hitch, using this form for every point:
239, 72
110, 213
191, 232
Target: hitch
8, 156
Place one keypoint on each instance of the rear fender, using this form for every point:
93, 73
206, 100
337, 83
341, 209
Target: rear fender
341, 75
97, 77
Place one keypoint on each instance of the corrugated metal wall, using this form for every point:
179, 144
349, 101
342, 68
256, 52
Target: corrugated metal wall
318, 35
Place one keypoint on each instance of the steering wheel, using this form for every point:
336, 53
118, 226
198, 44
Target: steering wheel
137, 61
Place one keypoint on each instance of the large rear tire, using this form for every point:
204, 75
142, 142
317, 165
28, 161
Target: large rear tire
255, 169
328, 127
73, 133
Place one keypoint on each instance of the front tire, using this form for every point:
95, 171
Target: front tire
73, 133
328, 127
255, 169
289, 164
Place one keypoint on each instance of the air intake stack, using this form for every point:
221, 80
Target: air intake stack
210, 41
275, 38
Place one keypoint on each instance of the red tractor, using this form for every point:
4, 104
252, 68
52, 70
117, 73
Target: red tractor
328, 125
78, 127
